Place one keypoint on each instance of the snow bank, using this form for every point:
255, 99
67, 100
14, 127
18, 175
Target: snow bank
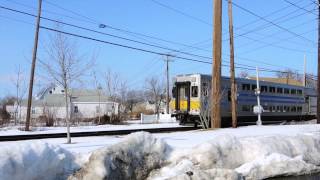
35, 160
254, 157
153, 118
134, 158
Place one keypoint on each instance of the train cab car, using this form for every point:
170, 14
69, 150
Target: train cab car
191, 94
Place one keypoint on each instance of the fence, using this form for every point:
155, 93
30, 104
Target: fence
154, 118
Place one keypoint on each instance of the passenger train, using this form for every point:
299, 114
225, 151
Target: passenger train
280, 102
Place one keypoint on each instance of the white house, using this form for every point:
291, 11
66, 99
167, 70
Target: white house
82, 104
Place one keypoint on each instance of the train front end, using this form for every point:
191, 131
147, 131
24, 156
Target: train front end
185, 101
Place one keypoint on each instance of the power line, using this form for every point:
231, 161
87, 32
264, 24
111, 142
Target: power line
152, 52
274, 24
103, 33
173, 50
73, 12
295, 5
182, 13
158, 53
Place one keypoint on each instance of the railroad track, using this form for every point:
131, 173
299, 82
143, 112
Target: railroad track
93, 133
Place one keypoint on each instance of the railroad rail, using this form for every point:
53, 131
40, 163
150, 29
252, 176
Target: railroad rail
94, 133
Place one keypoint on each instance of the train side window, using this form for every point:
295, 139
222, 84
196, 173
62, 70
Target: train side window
278, 108
264, 89
204, 90
299, 109
293, 109
194, 91
293, 91
286, 91
281, 108
272, 89
299, 91
246, 87
246, 108
253, 87
279, 90
229, 95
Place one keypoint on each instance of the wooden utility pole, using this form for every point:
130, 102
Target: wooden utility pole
216, 66
33, 66
318, 82
232, 73
304, 71
167, 73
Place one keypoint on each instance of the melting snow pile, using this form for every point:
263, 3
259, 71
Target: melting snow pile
35, 161
253, 158
134, 158
142, 156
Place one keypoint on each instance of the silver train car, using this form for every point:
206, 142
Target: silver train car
191, 94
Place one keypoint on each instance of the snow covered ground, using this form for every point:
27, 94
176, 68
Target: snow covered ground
255, 152
15, 130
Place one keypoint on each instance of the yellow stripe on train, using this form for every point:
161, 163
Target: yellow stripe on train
194, 105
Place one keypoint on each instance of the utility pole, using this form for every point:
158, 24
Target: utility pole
232, 74
216, 66
33, 66
167, 72
318, 82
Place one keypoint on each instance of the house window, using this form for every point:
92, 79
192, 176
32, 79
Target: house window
50, 92
194, 91
62, 91
246, 87
75, 109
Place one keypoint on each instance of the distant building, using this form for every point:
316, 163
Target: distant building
51, 103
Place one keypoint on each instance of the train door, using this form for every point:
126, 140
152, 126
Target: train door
183, 96
312, 104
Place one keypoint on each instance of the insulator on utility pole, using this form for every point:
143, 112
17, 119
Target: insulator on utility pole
33, 66
216, 66
232, 73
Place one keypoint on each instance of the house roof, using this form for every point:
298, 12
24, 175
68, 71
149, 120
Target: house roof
86, 96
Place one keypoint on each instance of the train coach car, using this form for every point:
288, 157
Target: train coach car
191, 95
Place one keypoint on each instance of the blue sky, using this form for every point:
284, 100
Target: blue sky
274, 47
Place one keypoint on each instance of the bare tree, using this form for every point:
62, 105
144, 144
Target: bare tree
155, 92
289, 74
134, 97
205, 106
65, 67
243, 74
116, 89
19, 83
112, 83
